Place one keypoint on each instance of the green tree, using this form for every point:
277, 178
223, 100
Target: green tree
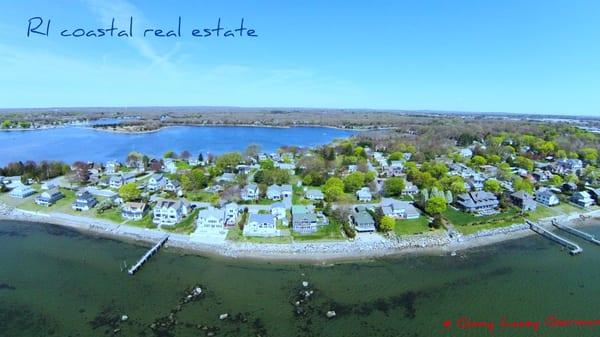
589, 154
555, 180
354, 181
492, 185
228, 161
6, 124
520, 184
194, 180
169, 154
387, 223
333, 189
435, 205
130, 192
394, 186
478, 160
524, 162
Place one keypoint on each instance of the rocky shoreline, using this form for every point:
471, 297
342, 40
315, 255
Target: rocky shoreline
362, 247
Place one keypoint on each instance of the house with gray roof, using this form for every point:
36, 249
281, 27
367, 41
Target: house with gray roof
546, 197
363, 222
477, 201
364, 195
582, 199
250, 192
49, 197
523, 200
399, 209
210, 220
261, 225
84, 201
278, 192
169, 212
314, 194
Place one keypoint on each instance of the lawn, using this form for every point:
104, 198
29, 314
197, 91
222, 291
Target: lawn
543, 212
235, 234
201, 196
61, 206
412, 226
187, 226
330, 232
468, 223
113, 214
146, 222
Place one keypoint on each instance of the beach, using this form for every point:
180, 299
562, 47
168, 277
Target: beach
365, 246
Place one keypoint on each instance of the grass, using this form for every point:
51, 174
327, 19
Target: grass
468, 223
62, 206
186, 226
200, 196
236, 234
329, 232
146, 222
113, 214
412, 226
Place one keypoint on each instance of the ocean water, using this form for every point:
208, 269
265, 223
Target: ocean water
57, 282
72, 143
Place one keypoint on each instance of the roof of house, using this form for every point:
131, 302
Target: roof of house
363, 218
134, 206
261, 218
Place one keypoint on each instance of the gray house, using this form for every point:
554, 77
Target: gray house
523, 200
363, 222
84, 201
304, 220
477, 201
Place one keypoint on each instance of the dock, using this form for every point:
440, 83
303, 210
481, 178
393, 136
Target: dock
576, 232
134, 269
574, 249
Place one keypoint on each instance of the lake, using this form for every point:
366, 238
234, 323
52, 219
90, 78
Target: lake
70, 144
56, 282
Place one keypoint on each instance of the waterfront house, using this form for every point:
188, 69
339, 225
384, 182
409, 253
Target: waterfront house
399, 209
250, 192
582, 199
594, 193
477, 201
545, 197
261, 225
364, 195
21, 191
169, 212
84, 201
304, 220
231, 214
211, 221
278, 210
363, 221
156, 182
523, 200
134, 210
314, 194
50, 184
49, 197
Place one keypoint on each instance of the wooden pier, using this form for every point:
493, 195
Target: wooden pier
147, 256
574, 249
586, 236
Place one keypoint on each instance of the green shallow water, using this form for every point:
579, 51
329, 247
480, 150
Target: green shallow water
56, 282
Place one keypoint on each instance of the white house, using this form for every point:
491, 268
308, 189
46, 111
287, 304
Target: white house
582, 199
48, 198
278, 210
156, 182
399, 209
396, 168
231, 214
173, 186
84, 201
364, 195
21, 191
276, 192
116, 181
250, 192
112, 167
133, 210
261, 225
210, 220
465, 153
546, 197
169, 166
169, 212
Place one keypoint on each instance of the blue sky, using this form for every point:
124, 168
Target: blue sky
499, 56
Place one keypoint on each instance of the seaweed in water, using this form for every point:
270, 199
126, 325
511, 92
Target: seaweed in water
6, 286
107, 317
